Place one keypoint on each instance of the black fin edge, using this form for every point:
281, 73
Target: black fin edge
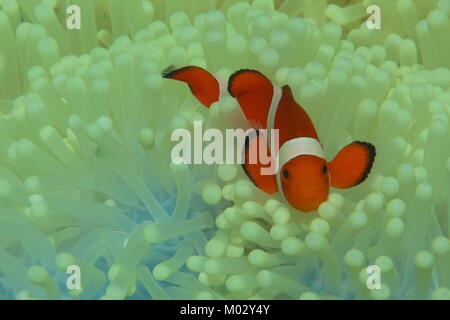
234, 75
172, 70
371, 150
246, 146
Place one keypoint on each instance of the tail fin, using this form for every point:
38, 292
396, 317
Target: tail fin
204, 86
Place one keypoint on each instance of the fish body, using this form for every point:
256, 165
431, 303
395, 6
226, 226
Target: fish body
303, 175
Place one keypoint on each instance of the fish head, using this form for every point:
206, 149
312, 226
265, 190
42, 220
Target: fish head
305, 182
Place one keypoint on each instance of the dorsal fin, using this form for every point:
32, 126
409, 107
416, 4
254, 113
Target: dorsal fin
254, 93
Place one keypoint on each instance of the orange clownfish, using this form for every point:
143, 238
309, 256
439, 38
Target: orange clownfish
304, 175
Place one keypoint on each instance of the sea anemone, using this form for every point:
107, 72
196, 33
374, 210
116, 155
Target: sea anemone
86, 177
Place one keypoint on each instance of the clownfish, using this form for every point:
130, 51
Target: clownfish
304, 176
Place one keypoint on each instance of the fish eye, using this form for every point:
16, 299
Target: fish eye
324, 169
285, 173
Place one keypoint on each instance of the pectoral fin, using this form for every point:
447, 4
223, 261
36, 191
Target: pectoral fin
253, 164
352, 164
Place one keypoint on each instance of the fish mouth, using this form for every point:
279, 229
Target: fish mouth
308, 197
306, 203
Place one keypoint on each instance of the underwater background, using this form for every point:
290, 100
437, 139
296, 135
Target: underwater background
86, 177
